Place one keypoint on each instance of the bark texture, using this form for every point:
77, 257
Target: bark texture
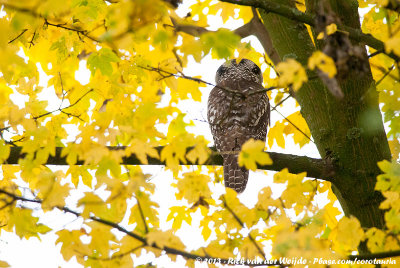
349, 132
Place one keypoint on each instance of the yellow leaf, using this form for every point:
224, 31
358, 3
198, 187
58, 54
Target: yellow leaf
9, 171
5, 92
25, 224
301, 132
276, 133
265, 199
376, 240
173, 154
102, 237
178, 126
56, 197
4, 264
148, 209
179, 214
291, 73
187, 89
142, 150
252, 153
4, 151
194, 48
331, 28
321, 35
200, 153
50, 190
330, 215
194, 186
92, 204
389, 181
205, 231
128, 243
394, 148
349, 233
393, 44
165, 239
170, 65
323, 62
391, 199
71, 243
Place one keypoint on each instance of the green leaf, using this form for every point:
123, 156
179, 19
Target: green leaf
101, 60
223, 42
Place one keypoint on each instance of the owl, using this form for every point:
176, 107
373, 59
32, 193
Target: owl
238, 110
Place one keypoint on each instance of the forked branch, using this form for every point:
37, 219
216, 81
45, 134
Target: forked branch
309, 18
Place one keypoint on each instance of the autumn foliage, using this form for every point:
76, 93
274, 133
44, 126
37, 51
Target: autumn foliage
135, 55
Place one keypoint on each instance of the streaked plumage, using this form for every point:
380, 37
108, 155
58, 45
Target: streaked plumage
235, 118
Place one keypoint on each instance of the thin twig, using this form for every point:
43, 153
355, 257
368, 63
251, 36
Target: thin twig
146, 229
375, 53
72, 28
33, 37
62, 109
281, 102
296, 127
12, 40
242, 225
116, 256
167, 249
198, 80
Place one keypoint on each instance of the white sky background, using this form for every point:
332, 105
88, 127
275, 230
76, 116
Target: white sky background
34, 253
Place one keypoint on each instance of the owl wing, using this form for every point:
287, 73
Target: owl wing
257, 108
219, 106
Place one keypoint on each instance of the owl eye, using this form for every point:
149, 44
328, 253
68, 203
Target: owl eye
256, 70
221, 70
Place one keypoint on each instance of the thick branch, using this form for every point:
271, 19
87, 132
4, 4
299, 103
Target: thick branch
308, 18
263, 36
253, 27
315, 168
243, 31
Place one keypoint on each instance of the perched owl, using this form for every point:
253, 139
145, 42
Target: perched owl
235, 118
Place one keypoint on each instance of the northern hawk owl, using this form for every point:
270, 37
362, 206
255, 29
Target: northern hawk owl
238, 109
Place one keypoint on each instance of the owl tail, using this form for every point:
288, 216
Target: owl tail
235, 176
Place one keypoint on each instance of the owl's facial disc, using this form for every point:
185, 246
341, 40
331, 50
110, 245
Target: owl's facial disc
245, 69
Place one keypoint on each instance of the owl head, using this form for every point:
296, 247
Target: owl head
233, 71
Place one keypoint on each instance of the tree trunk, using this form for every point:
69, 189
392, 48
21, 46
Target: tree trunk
349, 131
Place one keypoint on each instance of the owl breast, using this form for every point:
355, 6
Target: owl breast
238, 110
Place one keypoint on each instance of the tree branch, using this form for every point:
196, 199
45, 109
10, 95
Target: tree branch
167, 249
308, 18
62, 110
166, 74
253, 27
243, 31
242, 225
263, 36
315, 168
36, 14
173, 251
18, 36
